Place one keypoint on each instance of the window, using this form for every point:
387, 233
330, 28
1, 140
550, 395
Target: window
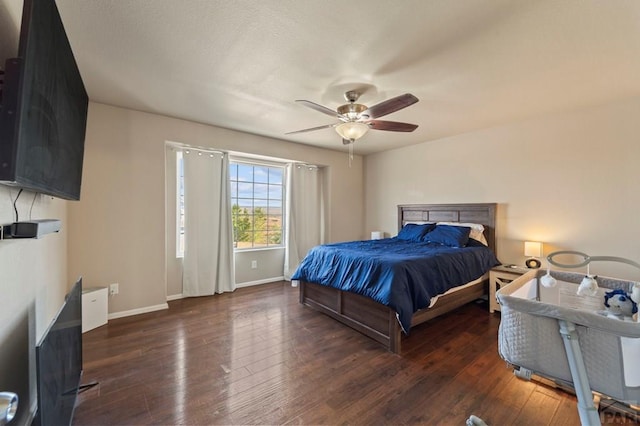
257, 204
180, 205
257, 194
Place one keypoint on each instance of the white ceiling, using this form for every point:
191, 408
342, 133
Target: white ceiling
240, 64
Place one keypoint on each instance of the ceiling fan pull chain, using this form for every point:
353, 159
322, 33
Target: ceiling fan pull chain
350, 154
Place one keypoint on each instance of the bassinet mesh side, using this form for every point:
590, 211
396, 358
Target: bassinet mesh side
529, 337
533, 343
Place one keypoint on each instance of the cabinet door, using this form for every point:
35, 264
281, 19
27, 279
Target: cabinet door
94, 308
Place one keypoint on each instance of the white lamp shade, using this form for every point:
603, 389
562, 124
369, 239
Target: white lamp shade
532, 249
352, 130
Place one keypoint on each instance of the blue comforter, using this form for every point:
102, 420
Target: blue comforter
401, 274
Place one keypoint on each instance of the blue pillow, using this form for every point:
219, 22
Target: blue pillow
452, 236
414, 232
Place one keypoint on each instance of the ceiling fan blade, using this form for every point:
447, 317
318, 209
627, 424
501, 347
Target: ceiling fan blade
393, 126
389, 106
327, 126
318, 107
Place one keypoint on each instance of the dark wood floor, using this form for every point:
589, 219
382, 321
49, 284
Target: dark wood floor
256, 356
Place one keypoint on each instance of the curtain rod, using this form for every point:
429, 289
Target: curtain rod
250, 160
183, 147
206, 151
240, 158
307, 165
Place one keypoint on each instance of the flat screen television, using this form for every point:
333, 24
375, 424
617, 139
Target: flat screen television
44, 108
59, 362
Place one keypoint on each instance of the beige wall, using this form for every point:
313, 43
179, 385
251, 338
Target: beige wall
569, 180
270, 266
119, 226
32, 288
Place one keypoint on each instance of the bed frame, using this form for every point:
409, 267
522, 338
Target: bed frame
378, 321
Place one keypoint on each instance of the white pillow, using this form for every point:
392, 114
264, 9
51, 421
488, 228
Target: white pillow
477, 230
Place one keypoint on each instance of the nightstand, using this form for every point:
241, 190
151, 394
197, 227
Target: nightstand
499, 276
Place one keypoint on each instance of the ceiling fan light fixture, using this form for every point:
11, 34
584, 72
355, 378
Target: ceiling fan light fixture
357, 119
352, 130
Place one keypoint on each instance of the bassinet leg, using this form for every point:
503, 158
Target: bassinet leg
586, 407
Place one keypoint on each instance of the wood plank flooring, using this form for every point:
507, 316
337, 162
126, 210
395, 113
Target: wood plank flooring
256, 356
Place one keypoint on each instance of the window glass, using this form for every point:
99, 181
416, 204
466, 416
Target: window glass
257, 192
180, 206
261, 174
245, 173
275, 176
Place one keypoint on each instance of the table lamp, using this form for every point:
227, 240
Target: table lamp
533, 250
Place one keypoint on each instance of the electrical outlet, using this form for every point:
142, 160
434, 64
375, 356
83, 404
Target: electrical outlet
254, 264
113, 289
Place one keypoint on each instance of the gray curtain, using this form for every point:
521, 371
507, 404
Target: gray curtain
208, 264
305, 219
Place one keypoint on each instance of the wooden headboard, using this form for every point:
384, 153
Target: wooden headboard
484, 214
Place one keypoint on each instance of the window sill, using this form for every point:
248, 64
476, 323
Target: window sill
247, 250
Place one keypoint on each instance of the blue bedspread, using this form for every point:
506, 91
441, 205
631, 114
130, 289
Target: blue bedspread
400, 274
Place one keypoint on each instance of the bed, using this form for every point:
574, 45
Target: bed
377, 320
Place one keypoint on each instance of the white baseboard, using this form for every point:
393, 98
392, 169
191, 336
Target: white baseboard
138, 311
238, 285
264, 281
174, 297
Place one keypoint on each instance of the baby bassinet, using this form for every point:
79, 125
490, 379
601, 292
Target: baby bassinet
556, 334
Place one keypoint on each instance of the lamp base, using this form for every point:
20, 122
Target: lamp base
532, 263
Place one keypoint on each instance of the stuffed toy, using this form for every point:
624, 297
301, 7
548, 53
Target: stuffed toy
588, 286
635, 296
619, 305
635, 293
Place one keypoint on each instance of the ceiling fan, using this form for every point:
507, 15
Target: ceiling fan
356, 119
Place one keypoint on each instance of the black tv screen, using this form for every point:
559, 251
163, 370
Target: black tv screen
44, 108
59, 362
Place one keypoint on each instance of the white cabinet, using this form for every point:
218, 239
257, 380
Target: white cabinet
94, 307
